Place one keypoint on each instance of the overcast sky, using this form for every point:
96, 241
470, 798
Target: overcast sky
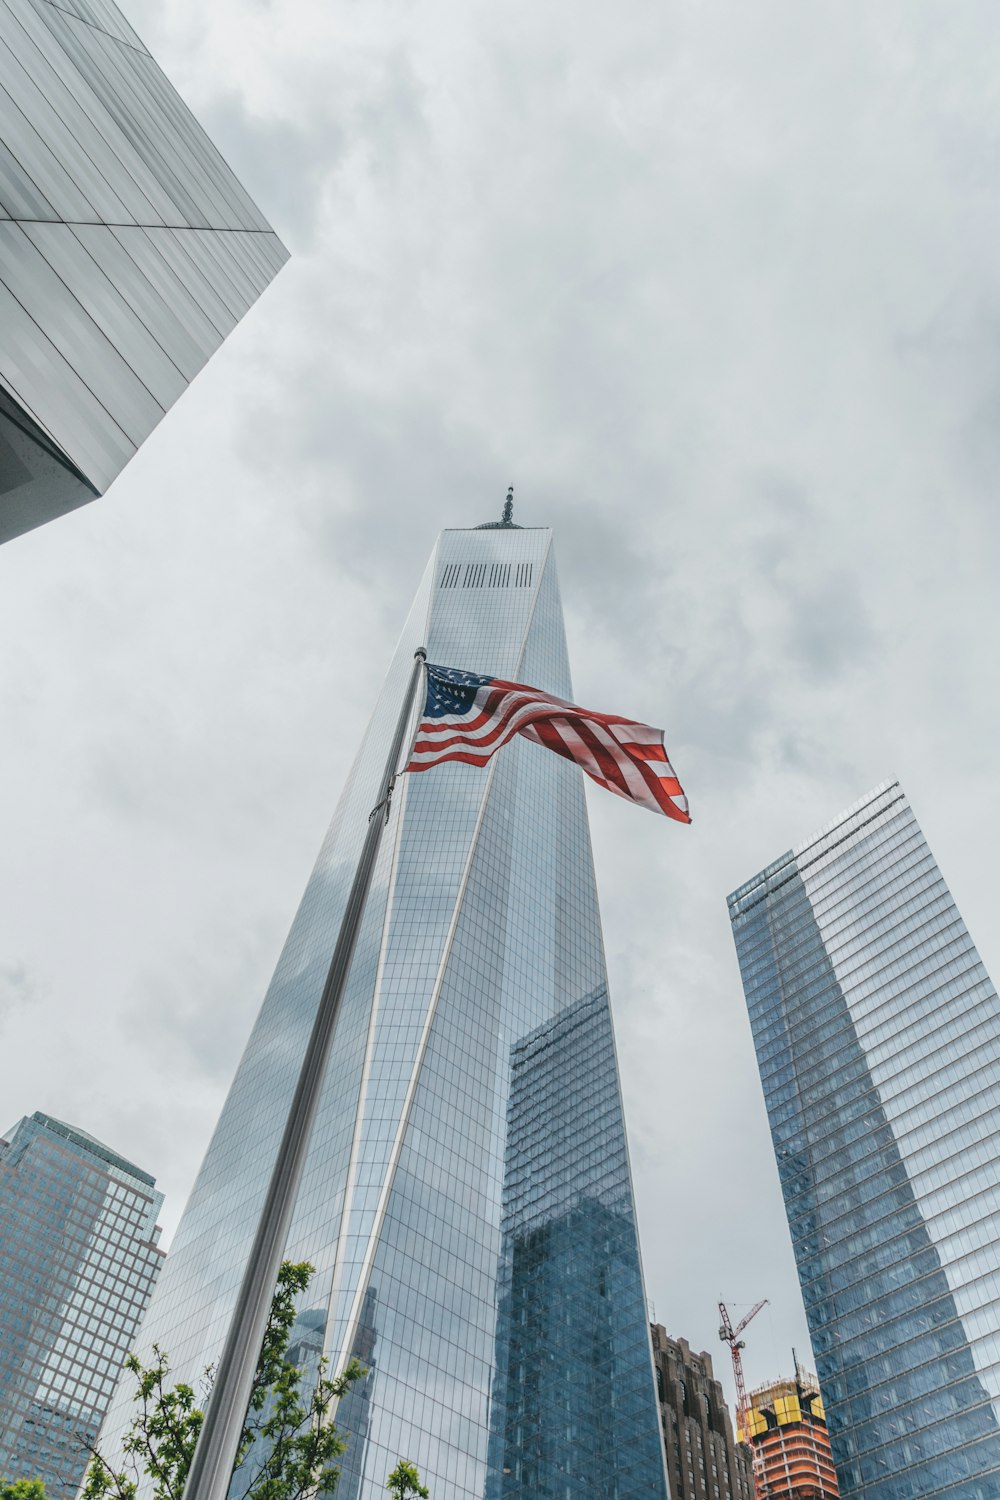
716, 287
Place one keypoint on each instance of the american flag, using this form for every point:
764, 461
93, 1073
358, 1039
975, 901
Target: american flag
468, 718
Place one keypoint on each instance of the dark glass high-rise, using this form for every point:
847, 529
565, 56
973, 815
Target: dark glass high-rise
467, 1200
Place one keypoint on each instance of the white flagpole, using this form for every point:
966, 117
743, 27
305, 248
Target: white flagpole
218, 1444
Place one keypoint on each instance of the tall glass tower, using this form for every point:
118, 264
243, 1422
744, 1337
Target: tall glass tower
467, 1200
877, 1033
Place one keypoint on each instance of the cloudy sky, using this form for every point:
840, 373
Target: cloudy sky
716, 287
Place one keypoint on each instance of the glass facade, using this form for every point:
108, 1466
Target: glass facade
128, 251
467, 1200
78, 1262
877, 1033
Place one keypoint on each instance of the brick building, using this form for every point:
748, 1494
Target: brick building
703, 1459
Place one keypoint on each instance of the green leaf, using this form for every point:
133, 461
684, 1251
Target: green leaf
289, 1445
404, 1481
22, 1489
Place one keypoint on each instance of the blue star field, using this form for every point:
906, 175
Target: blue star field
450, 691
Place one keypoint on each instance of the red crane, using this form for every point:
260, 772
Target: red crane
731, 1336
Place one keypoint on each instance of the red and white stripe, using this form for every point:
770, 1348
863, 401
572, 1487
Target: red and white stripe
628, 758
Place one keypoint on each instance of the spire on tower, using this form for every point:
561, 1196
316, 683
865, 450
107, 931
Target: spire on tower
506, 521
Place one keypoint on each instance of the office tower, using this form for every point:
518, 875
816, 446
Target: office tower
78, 1261
787, 1427
467, 1201
877, 1033
703, 1460
128, 251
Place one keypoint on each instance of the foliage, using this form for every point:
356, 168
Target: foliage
404, 1481
289, 1446
22, 1489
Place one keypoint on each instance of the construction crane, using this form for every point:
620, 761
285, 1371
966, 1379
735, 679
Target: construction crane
731, 1336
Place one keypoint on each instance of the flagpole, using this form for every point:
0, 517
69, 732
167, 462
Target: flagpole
211, 1469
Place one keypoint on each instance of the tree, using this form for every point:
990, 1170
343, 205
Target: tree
22, 1489
288, 1433
404, 1481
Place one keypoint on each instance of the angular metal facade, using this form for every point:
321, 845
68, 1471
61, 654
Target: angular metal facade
467, 1200
128, 251
78, 1261
877, 1032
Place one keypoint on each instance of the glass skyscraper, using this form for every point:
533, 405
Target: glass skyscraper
128, 251
467, 1199
78, 1261
877, 1033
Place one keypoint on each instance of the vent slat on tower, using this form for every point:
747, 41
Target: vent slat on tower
478, 575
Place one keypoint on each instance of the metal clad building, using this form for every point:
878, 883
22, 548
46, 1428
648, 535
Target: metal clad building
128, 251
877, 1033
78, 1262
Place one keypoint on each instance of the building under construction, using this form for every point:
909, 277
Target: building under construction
786, 1425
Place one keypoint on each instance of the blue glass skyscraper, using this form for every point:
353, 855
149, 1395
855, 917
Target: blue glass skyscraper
877, 1032
467, 1200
